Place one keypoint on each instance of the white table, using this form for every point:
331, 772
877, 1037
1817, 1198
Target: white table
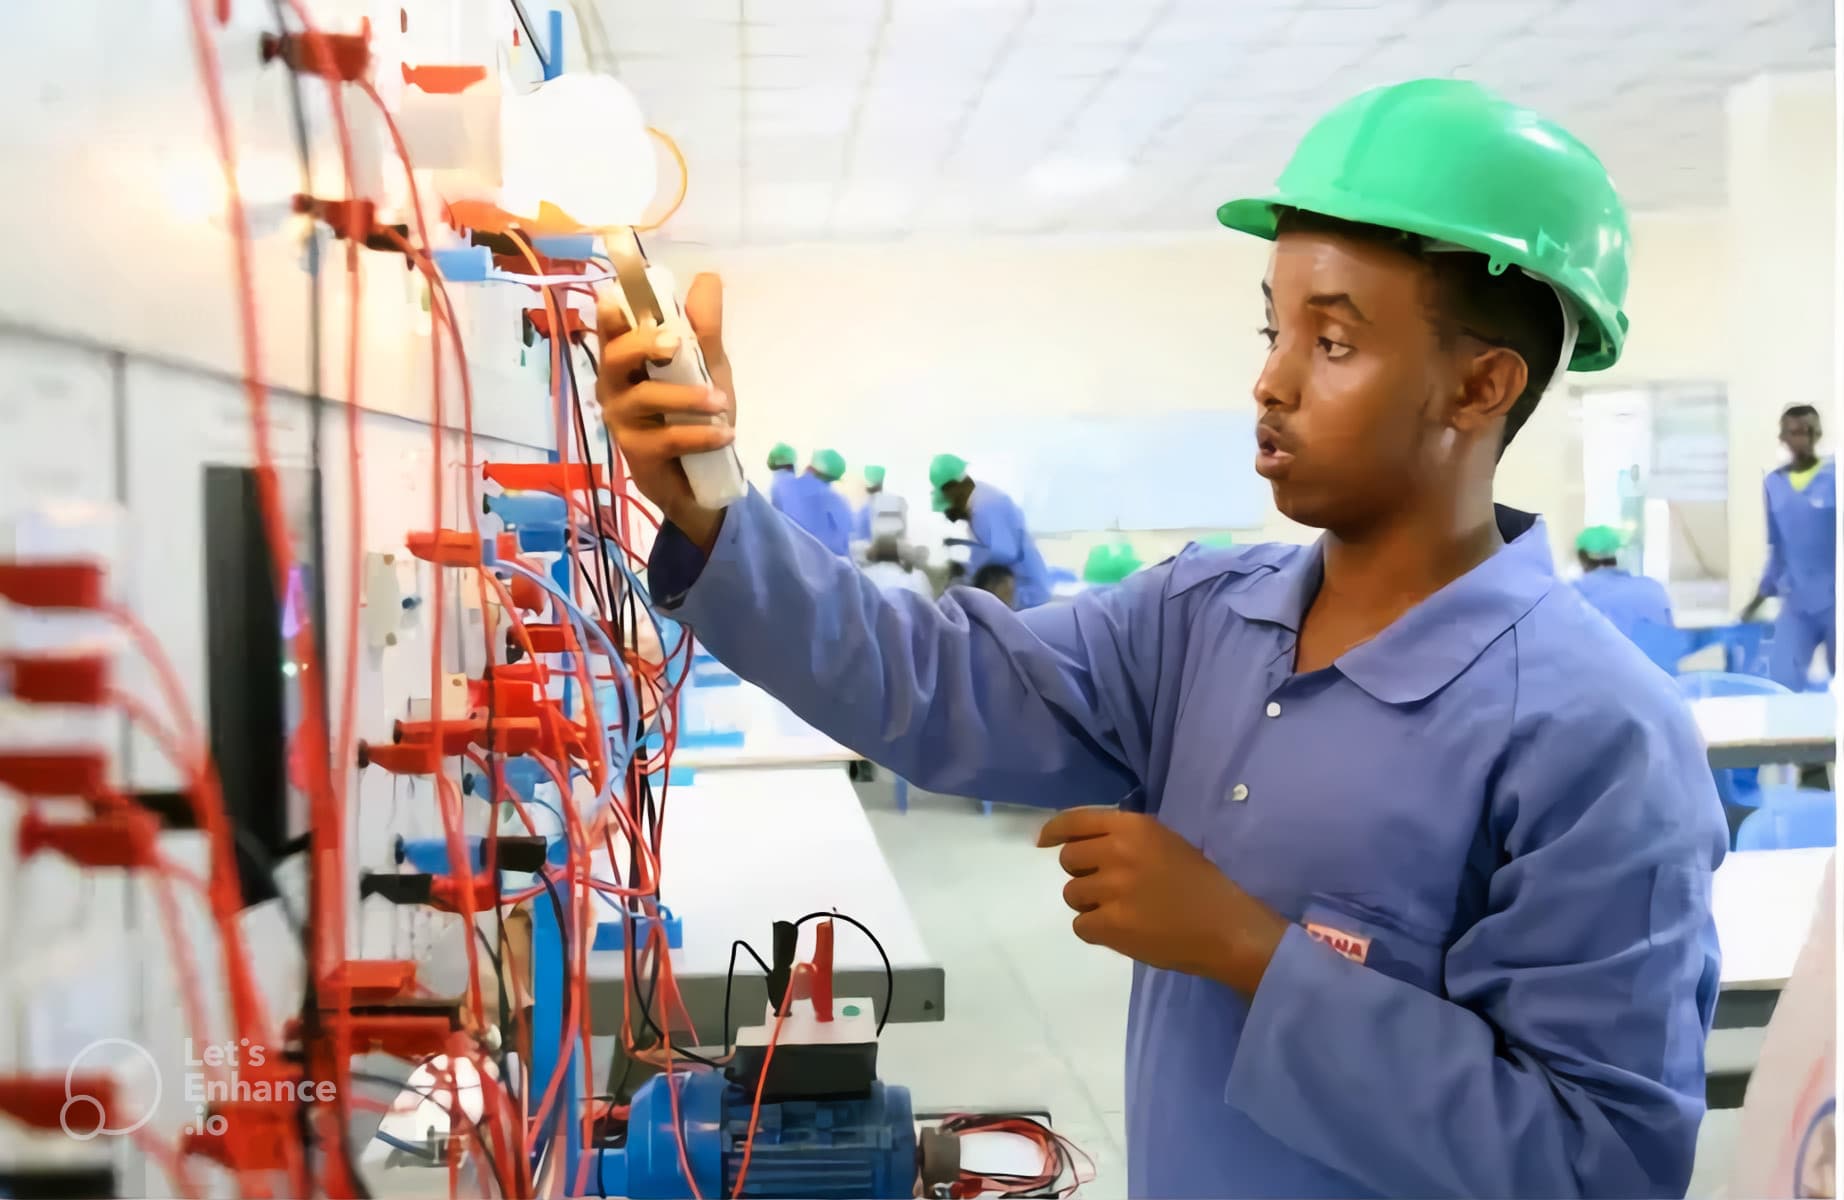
1753, 731
774, 748
744, 848
1763, 903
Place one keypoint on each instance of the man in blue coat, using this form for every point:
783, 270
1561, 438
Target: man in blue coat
1411, 850
999, 536
1802, 564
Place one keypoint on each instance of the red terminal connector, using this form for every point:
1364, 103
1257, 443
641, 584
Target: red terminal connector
369, 980
122, 839
531, 671
544, 477
544, 638
57, 678
518, 264
355, 221
56, 584
506, 697
254, 1135
538, 323
446, 547
43, 774
513, 735
410, 1036
565, 736
345, 57
409, 758
443, 80
61, 1101
446, 894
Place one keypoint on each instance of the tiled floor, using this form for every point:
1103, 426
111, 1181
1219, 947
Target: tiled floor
1036, 1019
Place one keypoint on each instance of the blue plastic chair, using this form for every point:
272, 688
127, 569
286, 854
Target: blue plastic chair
1792, 820
1665, 645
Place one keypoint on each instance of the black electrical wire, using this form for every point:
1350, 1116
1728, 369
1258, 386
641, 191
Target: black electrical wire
883, 1018
730, 978
531, 36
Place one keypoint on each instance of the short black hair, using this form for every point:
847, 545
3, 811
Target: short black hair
991, 575
1800, 410
1510, 309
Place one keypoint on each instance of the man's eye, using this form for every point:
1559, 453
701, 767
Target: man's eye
1335, 350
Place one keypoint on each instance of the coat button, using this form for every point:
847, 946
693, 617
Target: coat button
1274, 708
1239, 793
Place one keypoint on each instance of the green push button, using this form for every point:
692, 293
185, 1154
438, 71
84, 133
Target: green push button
851, 1010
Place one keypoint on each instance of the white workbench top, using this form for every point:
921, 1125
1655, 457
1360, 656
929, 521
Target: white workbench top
744, 848
1766, 720
1764, 901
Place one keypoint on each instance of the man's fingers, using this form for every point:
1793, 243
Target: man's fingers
675, 441
1082, 857
704, 308
648, 401
632, 350
1085, 894
610, 318
1075, 824
1091, 927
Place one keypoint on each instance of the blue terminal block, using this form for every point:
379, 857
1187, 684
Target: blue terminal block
542, 539
566, 245
430, 855
522, 776
611, 933
464, 264
519, 509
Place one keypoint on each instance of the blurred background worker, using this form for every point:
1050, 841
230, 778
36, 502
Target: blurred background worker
780, 474
884, 566
997, 525
998, 579
1622, 597
1802, 531
816, 506
883, 514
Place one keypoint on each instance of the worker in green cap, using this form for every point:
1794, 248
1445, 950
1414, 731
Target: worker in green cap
883, 514
1622, 597
811, 502
997, 526
780, 474
1412, 851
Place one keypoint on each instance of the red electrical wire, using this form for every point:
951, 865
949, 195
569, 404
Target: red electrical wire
768, 1056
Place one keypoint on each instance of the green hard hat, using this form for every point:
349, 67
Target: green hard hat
781, 455
1599, 541
827, 464
874, 476
944, 469
1110, 564
1448, 160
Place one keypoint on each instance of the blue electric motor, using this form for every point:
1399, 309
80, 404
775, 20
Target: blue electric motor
864, 1146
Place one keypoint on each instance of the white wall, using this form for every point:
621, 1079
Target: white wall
927, 343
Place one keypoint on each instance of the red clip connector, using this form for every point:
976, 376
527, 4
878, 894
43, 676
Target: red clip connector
446, 547
544, 639
52, 584
531, 671
538, 323
443, 80
82, 1104
122, 839
43, 774
514, 735
544, 477
344, 57
446, 894
409, 758
58, 678
506, 697
355, 221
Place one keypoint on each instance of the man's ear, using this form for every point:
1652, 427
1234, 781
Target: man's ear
1490, 383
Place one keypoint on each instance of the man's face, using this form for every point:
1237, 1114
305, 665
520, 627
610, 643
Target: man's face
1349, 398
1799, 434
958, 493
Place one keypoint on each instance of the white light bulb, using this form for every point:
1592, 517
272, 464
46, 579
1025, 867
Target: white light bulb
579, 143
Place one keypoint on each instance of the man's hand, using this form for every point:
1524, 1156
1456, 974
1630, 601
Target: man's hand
635, 407
1140, 889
